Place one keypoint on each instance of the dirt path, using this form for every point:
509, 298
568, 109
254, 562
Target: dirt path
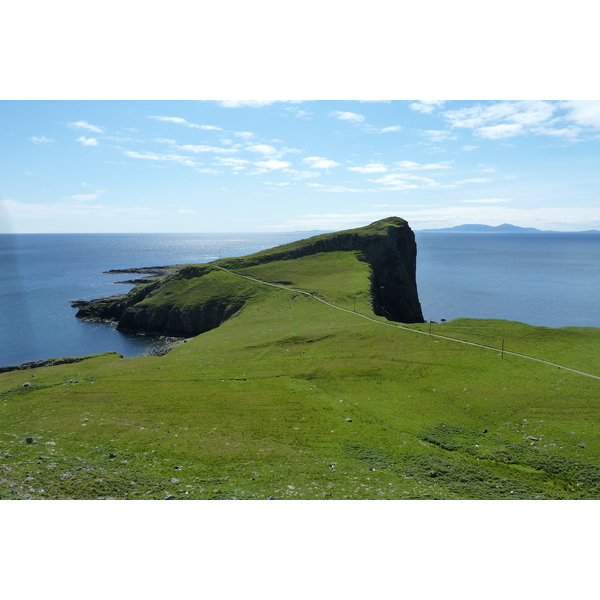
443, 337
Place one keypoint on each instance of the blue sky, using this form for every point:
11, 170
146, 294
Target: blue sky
219, 166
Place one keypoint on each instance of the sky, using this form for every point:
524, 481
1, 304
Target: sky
243, 166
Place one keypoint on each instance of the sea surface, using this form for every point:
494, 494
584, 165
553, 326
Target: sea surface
549, 279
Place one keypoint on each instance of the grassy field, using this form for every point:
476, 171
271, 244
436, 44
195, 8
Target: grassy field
293, 399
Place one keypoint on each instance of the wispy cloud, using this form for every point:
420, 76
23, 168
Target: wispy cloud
501, 120
504, 130
370, 168
347, 116
87, 141
404, 181
409, 165
203, 148
317, 162
152, 156
426, 106
333, 188
247, 103
41, 140
390, 129
181, 121
86, 126
585, 113
264, 149
438, 135
472, 180
487, 201
236, 164
265, 166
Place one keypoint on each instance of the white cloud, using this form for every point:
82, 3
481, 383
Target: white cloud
583, 112
237, 164
390, 129
487, 201
333, 188
272, 165
399, 182
317, 162
469, 148
244, 134
264, 149
209, 170
438, 135
41, 140
87, 126
247, 103
299, 113
202, 148
504, 119
87, 141
181, 121
426, 106
504, 130
186, 211
472, 180
347, 116
177, 120
177, 158
570, 132
370, 168
409, 165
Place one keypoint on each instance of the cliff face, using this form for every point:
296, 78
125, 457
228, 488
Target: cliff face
198, 298
388, 246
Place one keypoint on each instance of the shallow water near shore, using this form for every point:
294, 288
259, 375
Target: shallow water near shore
550, 279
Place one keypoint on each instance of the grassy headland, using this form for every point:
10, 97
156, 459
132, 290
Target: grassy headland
290, 398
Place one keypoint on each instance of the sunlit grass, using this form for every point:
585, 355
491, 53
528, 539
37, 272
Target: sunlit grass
291, 398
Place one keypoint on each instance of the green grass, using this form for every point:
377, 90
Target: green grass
293, 399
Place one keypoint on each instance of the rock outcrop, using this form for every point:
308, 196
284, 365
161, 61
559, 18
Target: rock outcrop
388, 246
197, 298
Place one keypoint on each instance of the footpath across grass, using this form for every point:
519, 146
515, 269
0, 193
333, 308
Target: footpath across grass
292, 399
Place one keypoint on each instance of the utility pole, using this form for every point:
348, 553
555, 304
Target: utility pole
502, 349
354, 303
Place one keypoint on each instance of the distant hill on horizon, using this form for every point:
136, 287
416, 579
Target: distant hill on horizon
504, 228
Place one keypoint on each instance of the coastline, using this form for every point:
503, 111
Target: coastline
170, 343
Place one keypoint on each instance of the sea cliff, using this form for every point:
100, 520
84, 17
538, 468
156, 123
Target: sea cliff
196, 298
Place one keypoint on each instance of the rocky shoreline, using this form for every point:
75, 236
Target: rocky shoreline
51, 362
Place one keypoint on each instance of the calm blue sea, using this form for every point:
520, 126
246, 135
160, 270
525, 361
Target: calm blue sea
550, 279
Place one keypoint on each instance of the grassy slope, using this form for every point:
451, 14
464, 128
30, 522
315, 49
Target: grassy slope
259, 406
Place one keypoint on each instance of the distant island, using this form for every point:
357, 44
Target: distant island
505, 228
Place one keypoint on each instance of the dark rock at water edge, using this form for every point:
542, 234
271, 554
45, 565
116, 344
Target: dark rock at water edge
48, 363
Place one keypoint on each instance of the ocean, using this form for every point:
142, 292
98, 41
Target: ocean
549, 279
